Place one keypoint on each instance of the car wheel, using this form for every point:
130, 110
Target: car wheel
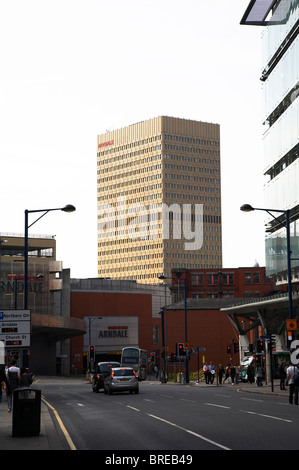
137, 390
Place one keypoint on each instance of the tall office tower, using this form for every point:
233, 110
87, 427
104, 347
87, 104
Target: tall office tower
280, 79
159, 199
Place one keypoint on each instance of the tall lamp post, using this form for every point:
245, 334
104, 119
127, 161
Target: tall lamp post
249, 208
185, 310
67, 208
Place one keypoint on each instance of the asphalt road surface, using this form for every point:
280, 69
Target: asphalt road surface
168, 417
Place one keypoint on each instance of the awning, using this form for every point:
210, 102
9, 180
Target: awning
257, 12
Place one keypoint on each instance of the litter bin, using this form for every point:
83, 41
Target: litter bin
26, 412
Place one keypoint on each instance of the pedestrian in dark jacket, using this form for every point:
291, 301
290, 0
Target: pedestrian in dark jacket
282, 375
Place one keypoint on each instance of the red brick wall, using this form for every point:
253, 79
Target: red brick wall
239, 288
111, 304
208, 329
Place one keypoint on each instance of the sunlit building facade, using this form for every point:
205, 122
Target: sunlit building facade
159, 199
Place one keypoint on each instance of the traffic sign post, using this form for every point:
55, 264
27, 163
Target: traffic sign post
15, 328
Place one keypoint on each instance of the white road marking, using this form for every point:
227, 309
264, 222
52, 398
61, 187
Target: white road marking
267, 416
132, 408
190, 432
219, 406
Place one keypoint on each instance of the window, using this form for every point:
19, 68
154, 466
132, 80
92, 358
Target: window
256, 278
197, 279
247, 278
213, 279
227, 278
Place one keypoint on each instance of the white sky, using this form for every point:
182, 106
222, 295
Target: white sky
71, 69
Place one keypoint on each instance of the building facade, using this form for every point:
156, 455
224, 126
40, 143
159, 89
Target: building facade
281, 139
244, 282
117, 313
280, 78
44, 347
158, 198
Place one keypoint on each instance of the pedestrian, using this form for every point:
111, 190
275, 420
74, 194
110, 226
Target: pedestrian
13, 375
250, 374
237, 374
259, 375
26, 381
292, 377
3, 382
206, 372
26, 378
221, 373
282, 375
227, 373
211, 373
233, 374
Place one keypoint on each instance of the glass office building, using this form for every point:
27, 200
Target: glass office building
280, 78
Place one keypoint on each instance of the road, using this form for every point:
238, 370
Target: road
172, 417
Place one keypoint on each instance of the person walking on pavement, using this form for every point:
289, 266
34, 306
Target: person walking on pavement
282, 375
13, 375
259, 375
250, 374
233, 374
221, 373
292, 377
3, 379
206, 373
227, 371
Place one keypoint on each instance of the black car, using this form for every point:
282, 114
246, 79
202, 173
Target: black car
102, 370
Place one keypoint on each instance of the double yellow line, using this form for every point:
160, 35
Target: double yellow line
62, 427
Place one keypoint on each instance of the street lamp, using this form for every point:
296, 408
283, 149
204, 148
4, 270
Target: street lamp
178, 273
249, 208
67, 208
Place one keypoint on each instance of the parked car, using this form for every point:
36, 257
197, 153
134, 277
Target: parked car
121, 379
102, 370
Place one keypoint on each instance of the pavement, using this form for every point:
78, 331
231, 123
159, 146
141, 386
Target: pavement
51, 436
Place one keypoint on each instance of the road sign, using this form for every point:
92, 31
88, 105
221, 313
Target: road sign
291, 325
15, 328
198, 349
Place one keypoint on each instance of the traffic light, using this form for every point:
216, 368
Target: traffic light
180, 350
236, 347
153, 357
91, 353
173, 357
259, 346
228, 349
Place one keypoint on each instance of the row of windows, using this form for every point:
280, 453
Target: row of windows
194, 150
225, 278
137, 143
191, 140
223, 295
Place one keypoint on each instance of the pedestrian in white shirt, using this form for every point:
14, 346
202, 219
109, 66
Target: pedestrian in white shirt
292, 375
13, 374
